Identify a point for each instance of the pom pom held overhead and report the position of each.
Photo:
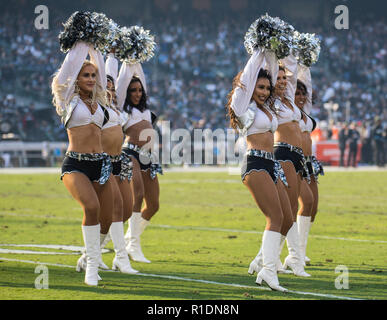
(91, 27)
(272, 34)
(134, 45)
(307, 47)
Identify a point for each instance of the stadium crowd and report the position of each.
(191, 74)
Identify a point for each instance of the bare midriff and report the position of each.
(306, 143)
(112, 139)
(85, 139)
(261, 141)
(140, 133)
(290, 133)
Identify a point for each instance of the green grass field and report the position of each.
(201, 241)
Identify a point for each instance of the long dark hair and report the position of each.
(128, 105)
(110, 78)
(237, 83)
(302, 87)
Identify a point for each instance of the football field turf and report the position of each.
(201, 242)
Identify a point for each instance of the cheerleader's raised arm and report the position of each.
(304, 75)
(96, 58)
(64, 81)
(291, 66)
(111, 66)
(241, 97)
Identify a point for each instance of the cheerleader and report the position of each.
(112, 138)
(288, 151)
(249, 108)
(79, 90)
(308, 198)
(138, 146)
(124, 175)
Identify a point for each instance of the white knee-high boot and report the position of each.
(137, 225)
(307, 260)
(303, 224)
(81, 263)
(280, 267)
(91, 238)
(256, 264)
(293, 260)
(104, 240)
(127, 234)
(121, 260)
(270, 248)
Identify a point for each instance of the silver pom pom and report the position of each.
(270, 33)
(108, 30)
(134, 45)
(307, 48)
(91, 27)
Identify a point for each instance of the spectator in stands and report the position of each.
(192, 70)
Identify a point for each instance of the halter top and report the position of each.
(285, 114)
(114, 119)
(82, 116)
(262, 122)
(135, 117)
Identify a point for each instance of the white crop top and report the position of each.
(82, 116)
(136, 116)
(114, 119)
(261, 122)
(286, 114)
(306, 127)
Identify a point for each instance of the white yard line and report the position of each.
(75, 250)
(235, 285)
(163, 226)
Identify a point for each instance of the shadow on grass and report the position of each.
(69, 285)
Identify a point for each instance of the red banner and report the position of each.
(328, 152)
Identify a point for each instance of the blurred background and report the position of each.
(200, 50)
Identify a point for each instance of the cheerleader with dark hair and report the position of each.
(308, 198)
(250, 108)
(112, 138)
(288, 151)
(139, 147)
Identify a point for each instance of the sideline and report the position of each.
(235, 285)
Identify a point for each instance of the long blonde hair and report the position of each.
(99, 93)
